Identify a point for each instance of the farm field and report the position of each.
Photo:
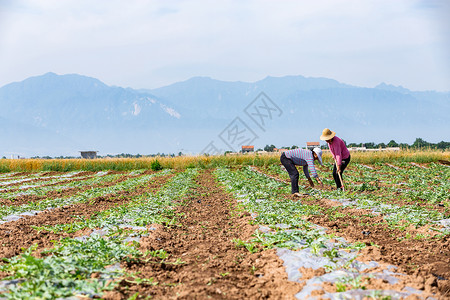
(226, 232)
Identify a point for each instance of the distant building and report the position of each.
(312, 145)
(89, 154)
(357, 149)
(281, 150)
(246, 149)
(364, 149)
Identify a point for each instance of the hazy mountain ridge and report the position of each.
(61, 114)
(310, 104)
(63, 100)
(78, 108)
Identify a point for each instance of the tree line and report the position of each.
(419, 143)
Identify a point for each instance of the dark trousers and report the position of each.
(292, 170)
(344, 164)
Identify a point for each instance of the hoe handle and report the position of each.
(342, 182)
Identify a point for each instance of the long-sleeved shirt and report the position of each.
(338, 150)
(304, 158)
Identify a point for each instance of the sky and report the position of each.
(149, 44)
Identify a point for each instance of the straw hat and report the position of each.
(318, 151)
(327, 134)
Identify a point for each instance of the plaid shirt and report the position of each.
(304, 158)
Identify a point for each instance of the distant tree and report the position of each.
(354, 145)
(403, 145)
(369, 145)
(419, 143)
(259, 149)
(294, 147)
(443, 145)
(392, 143)
(381, 145)
(269, 148)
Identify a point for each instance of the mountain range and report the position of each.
(63, 114)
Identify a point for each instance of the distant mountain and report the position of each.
(392, 88)
(81, 111)
(310, 104)
(62, 114)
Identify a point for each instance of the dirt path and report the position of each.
(213, 267)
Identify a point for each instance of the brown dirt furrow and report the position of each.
(19, 234)
(213, 267)
(20, 200)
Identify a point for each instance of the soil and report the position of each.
(427, 259)
(213, 266)
(16, 235)
(424, 257)
(204, 259)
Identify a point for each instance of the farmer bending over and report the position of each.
(301, 157)
(340, 154)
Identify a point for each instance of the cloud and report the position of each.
(151, 43)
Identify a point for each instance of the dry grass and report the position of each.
(123, 164)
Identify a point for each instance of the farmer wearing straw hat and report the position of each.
(304, 158)
(340, 154)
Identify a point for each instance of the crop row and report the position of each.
(82, 197)
(88, 266)
(283, 224)
(40, 191)
(10, 179)
(430, 185)
(398, 205)
(265, 198)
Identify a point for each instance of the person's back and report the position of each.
(338, 149)
(340, 154)
(301, 157)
